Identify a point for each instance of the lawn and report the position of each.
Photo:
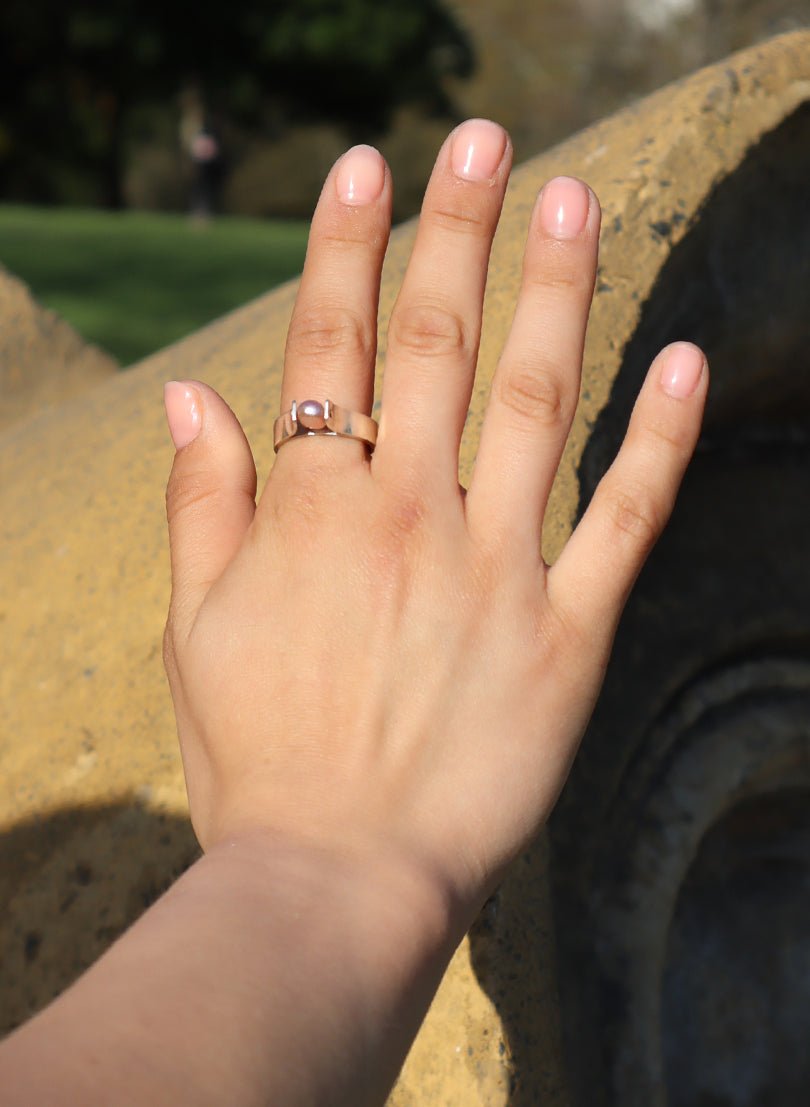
(133, 281)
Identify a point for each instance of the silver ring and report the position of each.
(312, 417)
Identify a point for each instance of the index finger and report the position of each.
(332, 339)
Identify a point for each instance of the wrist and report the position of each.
(366, 937)
(279, 971)
(379, 877)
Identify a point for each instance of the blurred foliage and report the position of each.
(95, 94)
(75, 77)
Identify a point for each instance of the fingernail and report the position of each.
(682, 370)
(183, 412)
(360, 176)
(564, 206)
(477, 149)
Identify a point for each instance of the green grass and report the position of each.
(133, 282)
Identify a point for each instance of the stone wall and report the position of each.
(43, 361)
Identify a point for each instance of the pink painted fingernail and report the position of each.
(477, 150)
(183, 412)
(682, 370)
(360, 176)
(564, 206)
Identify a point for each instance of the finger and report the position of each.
(210, 497)
(592, 578)
(332, 340)
(536, 384)
(435, 327)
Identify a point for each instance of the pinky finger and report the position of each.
(592, 578)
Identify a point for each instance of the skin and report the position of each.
(366, 657)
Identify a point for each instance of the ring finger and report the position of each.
(536, 384)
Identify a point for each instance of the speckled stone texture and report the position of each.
(705, 236)
(43, 361)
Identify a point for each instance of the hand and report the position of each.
(368, 660)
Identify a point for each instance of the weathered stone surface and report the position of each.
(92, 808)
(43, 361)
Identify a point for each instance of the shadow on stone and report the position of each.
(736, 992)
(71, 882)
(702, 735)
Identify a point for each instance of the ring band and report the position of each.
(311, 417)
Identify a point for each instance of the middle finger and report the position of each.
(435, 326)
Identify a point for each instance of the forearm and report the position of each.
(267, 974)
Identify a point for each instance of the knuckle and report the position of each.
(307, 503)
(491, 567)
(323, 331)
(188, 491)
(407, 511)
(304, 500)
(566, 281)
(673, 438)
(169, 648)
(563, 279)
(563, 269)
(564, 634)
(535, 394)
(635, 513)
(172, 646)
(554, 644)
(400, 531)
(464, 220)
(298, 509)
(348, 237)
(428, 330)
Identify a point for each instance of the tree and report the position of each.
(71, 75)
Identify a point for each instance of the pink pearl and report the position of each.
(311, 415)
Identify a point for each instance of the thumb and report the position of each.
(210, 497)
